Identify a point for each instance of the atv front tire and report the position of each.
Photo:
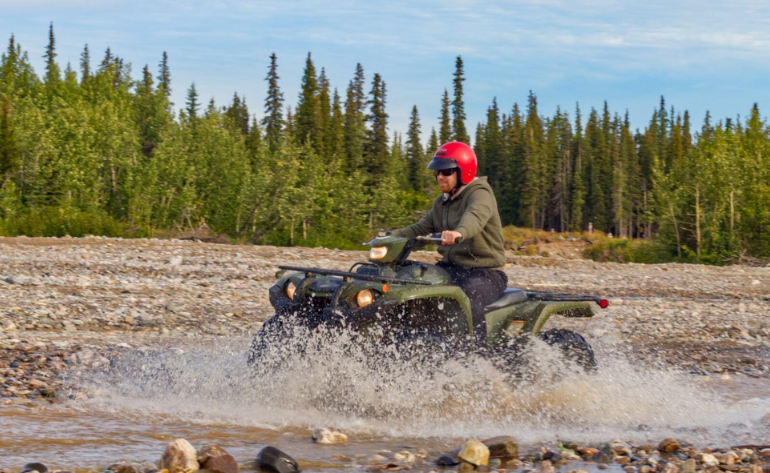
(572, 345)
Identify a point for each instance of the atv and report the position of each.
(393, 300)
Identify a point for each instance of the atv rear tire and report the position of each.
(572, 345)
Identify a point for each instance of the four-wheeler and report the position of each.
(393, 300)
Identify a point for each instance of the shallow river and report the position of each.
(131, 410)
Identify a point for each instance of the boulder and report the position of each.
(329, 436)
(502, 447)
(30, 467)
(216, 459)
(273, 459)
(179, 457)
(474, 452)
(669, 445)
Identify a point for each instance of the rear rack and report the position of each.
(349, 275)
(549, 296)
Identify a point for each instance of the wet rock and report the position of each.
(179, 457)
(708, 460)
(273, 459)
(474, 452)
(622, 460)
(544, 466)
(602, 458)
(514, 464)
(216, 459)
(669, 445)
(727, 458)
(629, 469)
(405, 457)
(376, 459)
(495, 463)
(588, 451)
(502, 447)
(617, 447)
(445, 460)
(552, 457)
(764, 453)
(329, 436)
(30, 467)
(124, 468)
(670, 468)
(689, 466)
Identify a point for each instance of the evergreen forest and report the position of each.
(100, 151)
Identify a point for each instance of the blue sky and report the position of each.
(698, 54)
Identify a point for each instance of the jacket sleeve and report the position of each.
(423, 227)
(477, 214)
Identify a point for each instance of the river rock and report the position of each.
(670, 468)
(446, 460)
(216, 459)
(689, 466)
(544, 466)
(180, 457)
(764, 453)
(617, 447)
(30, 467)
(273, 459)
(124, 468)
(669, 445)
(708, 460)
(474, 452)
(329, 436)
(405, 457)
(502, 447)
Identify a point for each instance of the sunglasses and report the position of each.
(446, 172)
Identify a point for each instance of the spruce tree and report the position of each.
(238, 114)
(191, 104)
(306, 116)
(376, 145)
(9, 149)
(445, 122)
(85, 65)
(355, 118)
(52, 72)
(459, 132)
(415, 155)
(164, 76)
(273, 120)
(324, 115)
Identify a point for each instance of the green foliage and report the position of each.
(108, 155)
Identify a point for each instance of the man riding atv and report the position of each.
(467, 217)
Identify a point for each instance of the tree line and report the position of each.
(97, 151)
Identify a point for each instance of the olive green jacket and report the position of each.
(472, 211)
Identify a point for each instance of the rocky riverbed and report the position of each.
(72, 304)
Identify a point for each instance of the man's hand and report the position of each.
(450, 237)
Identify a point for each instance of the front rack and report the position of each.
(349, 275)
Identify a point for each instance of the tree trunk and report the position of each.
(291, 232)
(676, 230)
(697, 221)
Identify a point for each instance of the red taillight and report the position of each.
(604, 303)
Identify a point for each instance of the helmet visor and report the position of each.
(438, 164)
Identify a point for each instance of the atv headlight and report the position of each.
(378, 252)
(290, 288)
(364, 298)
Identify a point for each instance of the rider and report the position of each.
(466, 215)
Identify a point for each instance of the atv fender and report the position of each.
(528, 318)
(456, 314)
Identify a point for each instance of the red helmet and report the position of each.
(456, 155)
